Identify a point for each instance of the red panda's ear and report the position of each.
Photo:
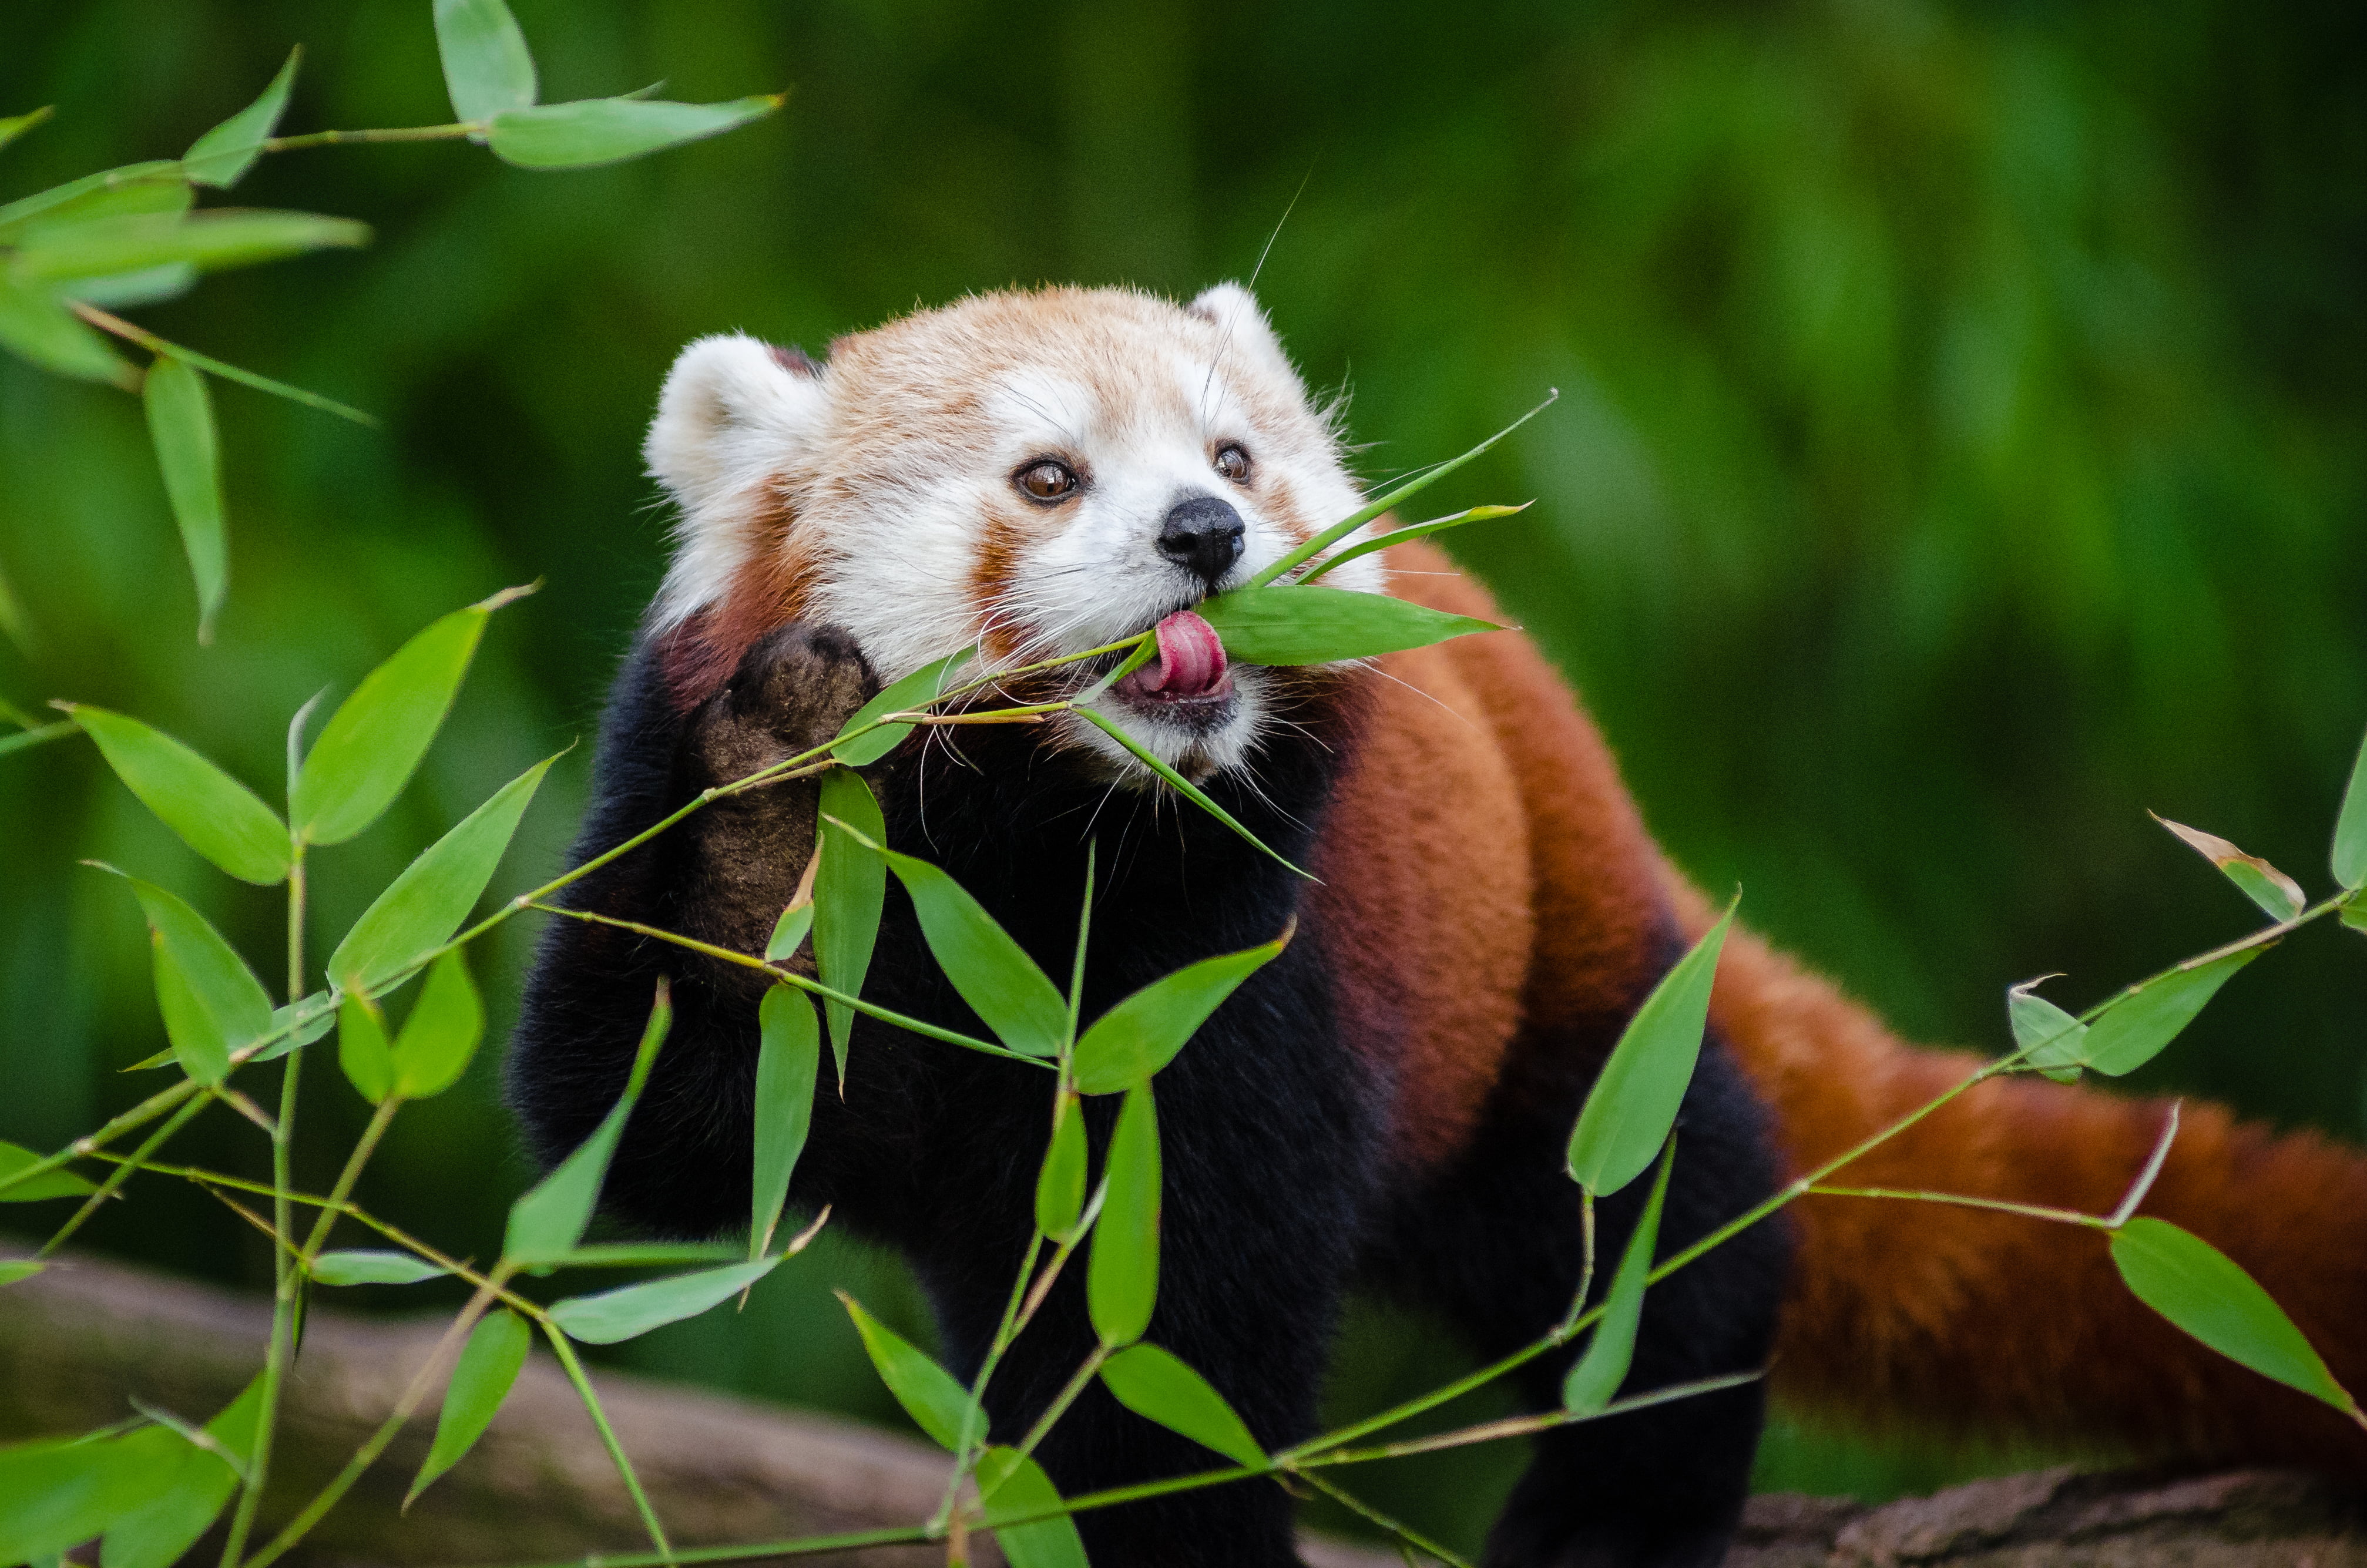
(1242, 327)
(736, 419)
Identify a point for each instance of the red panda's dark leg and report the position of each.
(1495, 1241)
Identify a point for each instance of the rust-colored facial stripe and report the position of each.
(993, 572)
(769, 592)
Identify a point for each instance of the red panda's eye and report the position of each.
(1046, 479)
(1233, 463)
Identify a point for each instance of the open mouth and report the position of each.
(1190, 680)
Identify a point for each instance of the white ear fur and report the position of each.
(731, 419)
(1242, 325)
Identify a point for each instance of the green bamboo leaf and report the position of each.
(790, 931)
(993, 974)
(1157, 1384)
(1396, 537)
(482, 1379)
(850, 890)
(2136, 1024)
(362, 1050)
(1122, 1274)
(223, 155)
(141, 286)
(373, 1268)
(56, 1494)
(442, 1033)
(1060, 1183)
(306, 1021)
(37, 328)
(1020, 1488)
(211, 1002)
(19, 1268)
(2051, 1040)
(2278, 895)
(631, 1311)
(371, 744)
(1402, 492)
(2354, 913)
(549, 1219)
(593, 132)
(188, 1495)
(914, 692)
(157, 186)
(1594, 1378)
(210, 241)
(1182, 785)
(2351, 827)
(2204, 1292)
(49, 1184)
(1634, 1103)
(1142, 1033)
(421, 909)
(215, 814)
(181, 426)
(16, 125)
(1320, 626)
(788, 1061)
(930, 1394)
(487, 68)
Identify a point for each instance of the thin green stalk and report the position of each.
(576, 1375)
(133, 332)
(1997, 1204)
(346, 1179)
(1526, 1426)
(138, 1116)
(972, 1425)
(1586, 1259)
(121, 1174)
(1065, 1398)
(287, 1277)
(789, 977)
(1405, 1533)
(452, 132)
(367, 1455)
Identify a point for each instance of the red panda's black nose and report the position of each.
(1203, 533)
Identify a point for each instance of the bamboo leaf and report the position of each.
(2278, 895)
(1633, 1104)
(914, 692)
(442, 1033)
(1396, 537)
(371, 746)
(1122, 1274)
(995, 976)
(631, 1311)
(2051, 1040)
(1159, 1385)
(931, 1396)
(188, 1493)
(549, 1219)
(373, 1268)
(1595, 1377)
(1019, 1487)
(1182, 785)
(2207, 1294)
(16, 125)
(487, 68)
(210, 241)
(788, 1062)
(223, 155)
(188, 454)
(37, 328)
(1320, 626)
(2139, 1022)
(421, 908)
(482, 1379)
(214, 815)
(593, 132)
(49, 1184)
(211, 1002)
(157, 186)
(850, 890)
(363, 1052)
(1143, 1032)
(1061, 1181)
(56, 1494)
(2351, 827)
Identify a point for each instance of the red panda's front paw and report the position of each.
(793, 691)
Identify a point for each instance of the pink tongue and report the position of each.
(1191, 659)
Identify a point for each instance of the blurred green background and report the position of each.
(1961, 452)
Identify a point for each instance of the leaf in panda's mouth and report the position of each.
(1191, 666)
(1306, 625)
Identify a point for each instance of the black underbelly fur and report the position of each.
(1277, 1189)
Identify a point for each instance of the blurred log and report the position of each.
(79, 1341)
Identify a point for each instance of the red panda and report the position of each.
(1046, 473)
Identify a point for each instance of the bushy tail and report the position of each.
(1955, 1319)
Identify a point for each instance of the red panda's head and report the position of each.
(1039, 473)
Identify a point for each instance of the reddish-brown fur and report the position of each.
(1501, 888)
